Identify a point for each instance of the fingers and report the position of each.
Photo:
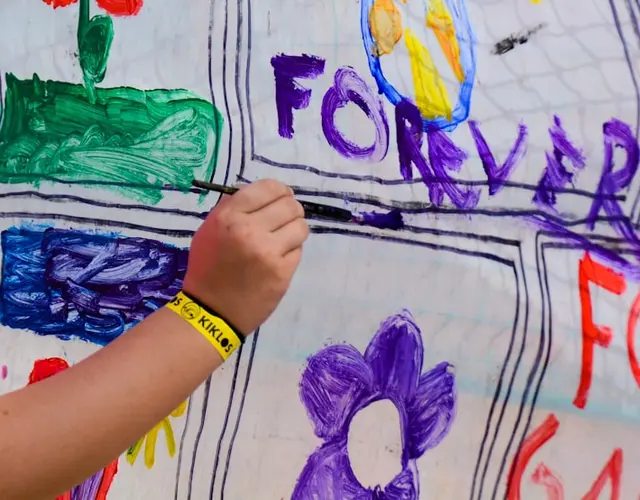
(291, 236)
(259, 194)
(279, 213)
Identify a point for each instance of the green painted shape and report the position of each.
(95, 36)
(138, 139)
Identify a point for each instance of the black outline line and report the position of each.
(196, 443)
(256, 335)
(181, 448)
(224, 88)
(225, 421)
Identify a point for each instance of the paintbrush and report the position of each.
(390, 220)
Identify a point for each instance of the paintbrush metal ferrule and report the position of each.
(210, 186)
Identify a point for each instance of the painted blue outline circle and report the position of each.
(467, 61)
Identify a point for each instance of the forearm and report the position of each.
(56, 433)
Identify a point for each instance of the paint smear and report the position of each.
(385, 23)
(4, 372)
(440, 21)
(430, 92)
(74, 284)
(389, 220)
(150, 439)
(137, 140)
(512, 41)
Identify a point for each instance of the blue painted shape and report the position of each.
(75, 284)
(466, 39)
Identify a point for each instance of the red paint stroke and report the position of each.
(113, 7)
(634, 314)
(593, 272)
(59, 3)
(544, 477)
(121, 7)
(66, 496)
(45, 368)
(533, 442)
(5, 371)
(613, 470)
(107, 478)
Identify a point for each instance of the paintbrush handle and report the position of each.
(310, 208)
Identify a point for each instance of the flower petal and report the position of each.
(333, 385)
(121, 7)
(59, 3)
(432, 410)
(328, 476)
(395, 356)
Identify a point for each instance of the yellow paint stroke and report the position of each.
(150, 439)
(430, 92)
(440, 21)
(385, 23)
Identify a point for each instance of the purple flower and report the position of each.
(339, 382)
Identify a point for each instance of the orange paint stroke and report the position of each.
(590, 271)
(533, 442)
(634, 314)
(612, 470)
(440, 21)
(385, 23)
(543, 476)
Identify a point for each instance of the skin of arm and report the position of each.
(97, 417)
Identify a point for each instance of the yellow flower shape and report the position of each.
(152, 436)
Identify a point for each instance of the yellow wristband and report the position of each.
(216, 330)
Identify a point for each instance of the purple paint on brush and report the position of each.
(388, 220)
(349, 87)
(339, 382)
(290, 94)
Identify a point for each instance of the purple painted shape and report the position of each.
(616, 134)
(290, 94)
(497, 175)
(338, 382)
(444, 156)
(89, 489)
(349, 87)
(409, 140)
(556, 175)
(389, 220)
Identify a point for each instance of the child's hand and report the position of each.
(244, 255)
